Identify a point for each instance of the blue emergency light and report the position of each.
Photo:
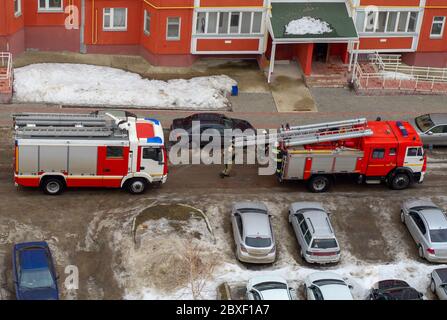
(402, 129)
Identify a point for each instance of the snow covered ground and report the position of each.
(396, 75)
(79, 84)
(307, 25)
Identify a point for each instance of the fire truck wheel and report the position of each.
(137, 186)
(53, 186)
(400, 181)
(318, 184)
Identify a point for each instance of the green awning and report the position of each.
(334, 14)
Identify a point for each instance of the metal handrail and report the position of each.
(6, 60)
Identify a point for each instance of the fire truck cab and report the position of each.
(56, 151)
(372, 151)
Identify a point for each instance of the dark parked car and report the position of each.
(394, 290)
(34, 274)
(216, 121)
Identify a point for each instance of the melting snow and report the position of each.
(307, 25)
(396, 75)
(79, 84)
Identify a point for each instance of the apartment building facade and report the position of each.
(176, 32)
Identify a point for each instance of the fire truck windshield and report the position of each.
(424, 122)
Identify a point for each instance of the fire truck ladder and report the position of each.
(313, 133)
(59, 119)
(65, 131)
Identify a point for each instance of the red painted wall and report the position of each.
(94, 32)
(389, 3)
(220, 45)
(426, 44)
(229, 3)
(391, 43)
(304, 54)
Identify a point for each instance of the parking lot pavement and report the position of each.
(92, 229)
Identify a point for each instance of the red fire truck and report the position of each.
(55, 151)
(371, 151)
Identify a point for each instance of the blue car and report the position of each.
(34, 274)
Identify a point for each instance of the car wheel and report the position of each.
(421, 252)
(433, 286)
(400, 181)
(319, 184)
(137, 186)
(53, 186)
(402, 216)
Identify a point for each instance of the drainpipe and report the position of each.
(83, 48)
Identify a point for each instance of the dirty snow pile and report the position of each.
(307, 25)
(79, 84)
(396, 75)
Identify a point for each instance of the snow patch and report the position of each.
(308, 25)
(79, 84)
(396, 75)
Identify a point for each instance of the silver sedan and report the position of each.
(438, 283)
(427, 224)
(432, 128)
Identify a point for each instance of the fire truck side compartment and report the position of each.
(53, 158)
(82, 160)
(28, 160)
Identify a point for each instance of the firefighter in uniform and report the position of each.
(229, 156)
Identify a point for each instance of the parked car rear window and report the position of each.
(36, 278)
(324, 243)
(424, 122)
(258, 242)
(439, 235)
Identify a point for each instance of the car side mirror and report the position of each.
(350, 287)
(429, 133)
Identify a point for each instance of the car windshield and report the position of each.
(439, 235)
(258, 242)
(325, 282)
(324, 244)
(424, 122)
(270, 286)
(36, 278)
(401, 294)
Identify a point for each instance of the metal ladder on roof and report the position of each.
(313, 133)
(60, 119)
(64, 132)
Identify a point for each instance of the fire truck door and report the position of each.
(414, 158)
(113, 164)
(152, 161)
(381, 161)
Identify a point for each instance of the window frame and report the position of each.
(228, 31)
(395, 31)
(178, 37)
(121, 157)
(112, 28)
(381, 151)
(147, 25)
(18, 12)
(47, 7)
(441, 35)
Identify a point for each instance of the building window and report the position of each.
(147, 22)
(437, 27)
(17, 8)
(386, 21)
(115, 19)
(173, 29)
(226, 22)
(50, 5)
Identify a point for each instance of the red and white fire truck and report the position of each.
(371, 151)
(55, 151)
